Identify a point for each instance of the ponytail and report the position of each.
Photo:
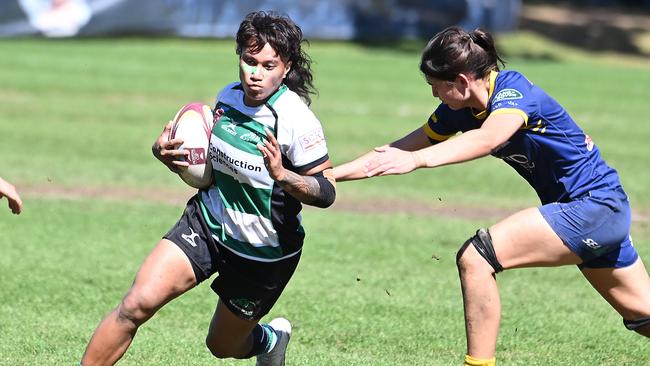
(454, 51)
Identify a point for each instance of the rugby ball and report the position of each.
(193, 123)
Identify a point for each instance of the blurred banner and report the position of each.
(319, 19)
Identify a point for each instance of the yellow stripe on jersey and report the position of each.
(433, 134)
(480, 115)
(493, 80)
(538, 127)
(512, 111)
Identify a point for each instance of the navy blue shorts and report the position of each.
(595, 227)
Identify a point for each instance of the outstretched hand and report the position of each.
(8, 190)
(167, 152)
(391, 161)
(270, 149)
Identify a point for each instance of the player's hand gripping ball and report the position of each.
(193, 123)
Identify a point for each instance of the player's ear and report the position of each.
(287, 68)
(463, 80)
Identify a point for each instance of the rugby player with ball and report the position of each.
(266, 157)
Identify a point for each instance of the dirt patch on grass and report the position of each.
(418, 208)
(121, 194)
(178, 197)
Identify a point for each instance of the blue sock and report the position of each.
(264, 339)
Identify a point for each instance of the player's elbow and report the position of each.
(326, 193)
(324, 202)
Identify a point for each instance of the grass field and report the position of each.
(377, 284)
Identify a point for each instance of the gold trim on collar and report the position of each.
(493, 77)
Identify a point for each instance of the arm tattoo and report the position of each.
(304, 188)
(316, 190)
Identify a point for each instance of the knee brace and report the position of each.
(636, 324)
(482, 241)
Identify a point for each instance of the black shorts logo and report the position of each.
(190, 238)
(248, 308)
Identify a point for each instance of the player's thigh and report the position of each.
(165, 274)
(525, 239)
(627, 289)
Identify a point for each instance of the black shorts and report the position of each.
(248, 288)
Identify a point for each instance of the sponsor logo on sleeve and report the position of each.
(312, 139)
(507, 94)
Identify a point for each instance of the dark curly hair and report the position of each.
(259, 28)
(454, 51)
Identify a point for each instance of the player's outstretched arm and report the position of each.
(8, 190)
(357, 168)
(470, 145)
(354, 169)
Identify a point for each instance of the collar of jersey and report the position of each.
(493, 77)
(277, 94)
(271, 99)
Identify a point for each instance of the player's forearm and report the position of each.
(414, 141)
(354, 169)
(317, 191)
(468, 146)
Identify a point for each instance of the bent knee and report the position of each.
(470, 262)
(136, 309)
(477, 255)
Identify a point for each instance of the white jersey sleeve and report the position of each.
(300, 133)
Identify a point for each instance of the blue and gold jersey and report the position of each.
(550, 151)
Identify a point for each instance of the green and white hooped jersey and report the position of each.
(246, 211)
